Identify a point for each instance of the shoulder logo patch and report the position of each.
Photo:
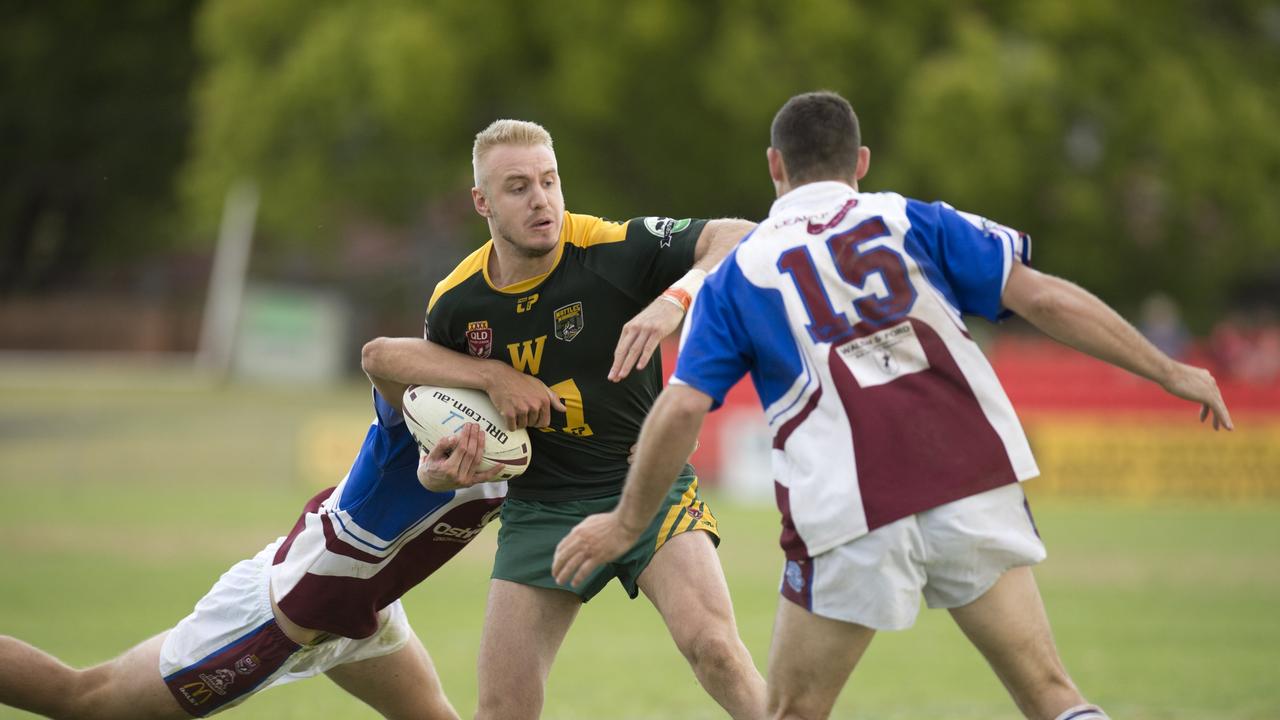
(664, 227)
(480, 339)
(569, 321)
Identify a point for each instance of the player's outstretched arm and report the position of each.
(451, 464)
(641, 335)
(667, 438)
(393, 364)
(1073, 316)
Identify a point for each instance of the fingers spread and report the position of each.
(622, 352)
(635, 348)
(650, 344)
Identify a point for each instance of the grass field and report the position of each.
(125, 497)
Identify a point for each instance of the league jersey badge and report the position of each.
(664, 227)
(480, 339)
(569, 321)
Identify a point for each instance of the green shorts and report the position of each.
(531, 530)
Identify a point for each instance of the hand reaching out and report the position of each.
(1197, 385)
(641, 335)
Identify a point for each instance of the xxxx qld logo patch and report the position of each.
(480, 339)
(664, 227)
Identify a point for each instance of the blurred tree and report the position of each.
(93, 126)
(1136, 143)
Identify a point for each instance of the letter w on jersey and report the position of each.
(527, 354)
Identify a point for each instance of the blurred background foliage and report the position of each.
(1139, 143)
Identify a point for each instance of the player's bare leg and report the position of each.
(685, 582)
(403, 684)
(126, 688)
(523, 629)
(810, 660)
(1009, 626)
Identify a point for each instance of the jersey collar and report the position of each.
(536, 280)
(822, 192)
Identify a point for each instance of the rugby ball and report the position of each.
(434, 412)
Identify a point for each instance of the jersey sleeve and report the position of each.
(715, 348)
(653, 252)
(388, 416)
(435, 328)
(967, 257)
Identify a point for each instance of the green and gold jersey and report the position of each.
(562, 327)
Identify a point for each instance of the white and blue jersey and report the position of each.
(361, 545)
(845, 308)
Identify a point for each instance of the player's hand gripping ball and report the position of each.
(434, 412)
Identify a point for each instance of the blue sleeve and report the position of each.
(966, 257)
(388, 416)
(715, 350)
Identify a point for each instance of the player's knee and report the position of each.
(715, 651)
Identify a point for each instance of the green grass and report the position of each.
(125, 497)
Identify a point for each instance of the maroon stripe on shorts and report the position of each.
(233, 671)
(312, 506)
(792, 544)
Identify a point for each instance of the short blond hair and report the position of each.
(506, 132)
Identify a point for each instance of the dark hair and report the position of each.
(817, 134)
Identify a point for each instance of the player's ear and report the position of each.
(864, 163)
(775, 164)
(480, 201)
(777, 170)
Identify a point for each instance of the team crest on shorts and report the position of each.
(480, 339)
(219, 680)
(795, 576)
(247, 664)
(569, 321)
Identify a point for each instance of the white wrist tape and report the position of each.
(691, 282)
(682, 291)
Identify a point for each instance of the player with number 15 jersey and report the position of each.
(859, 319)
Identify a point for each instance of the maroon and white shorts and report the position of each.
(951, 554)
(230, 647)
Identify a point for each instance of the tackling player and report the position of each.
(323, 599)
(897, 455)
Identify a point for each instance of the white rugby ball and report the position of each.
(434, 412)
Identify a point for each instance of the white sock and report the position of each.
(1083, 712)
